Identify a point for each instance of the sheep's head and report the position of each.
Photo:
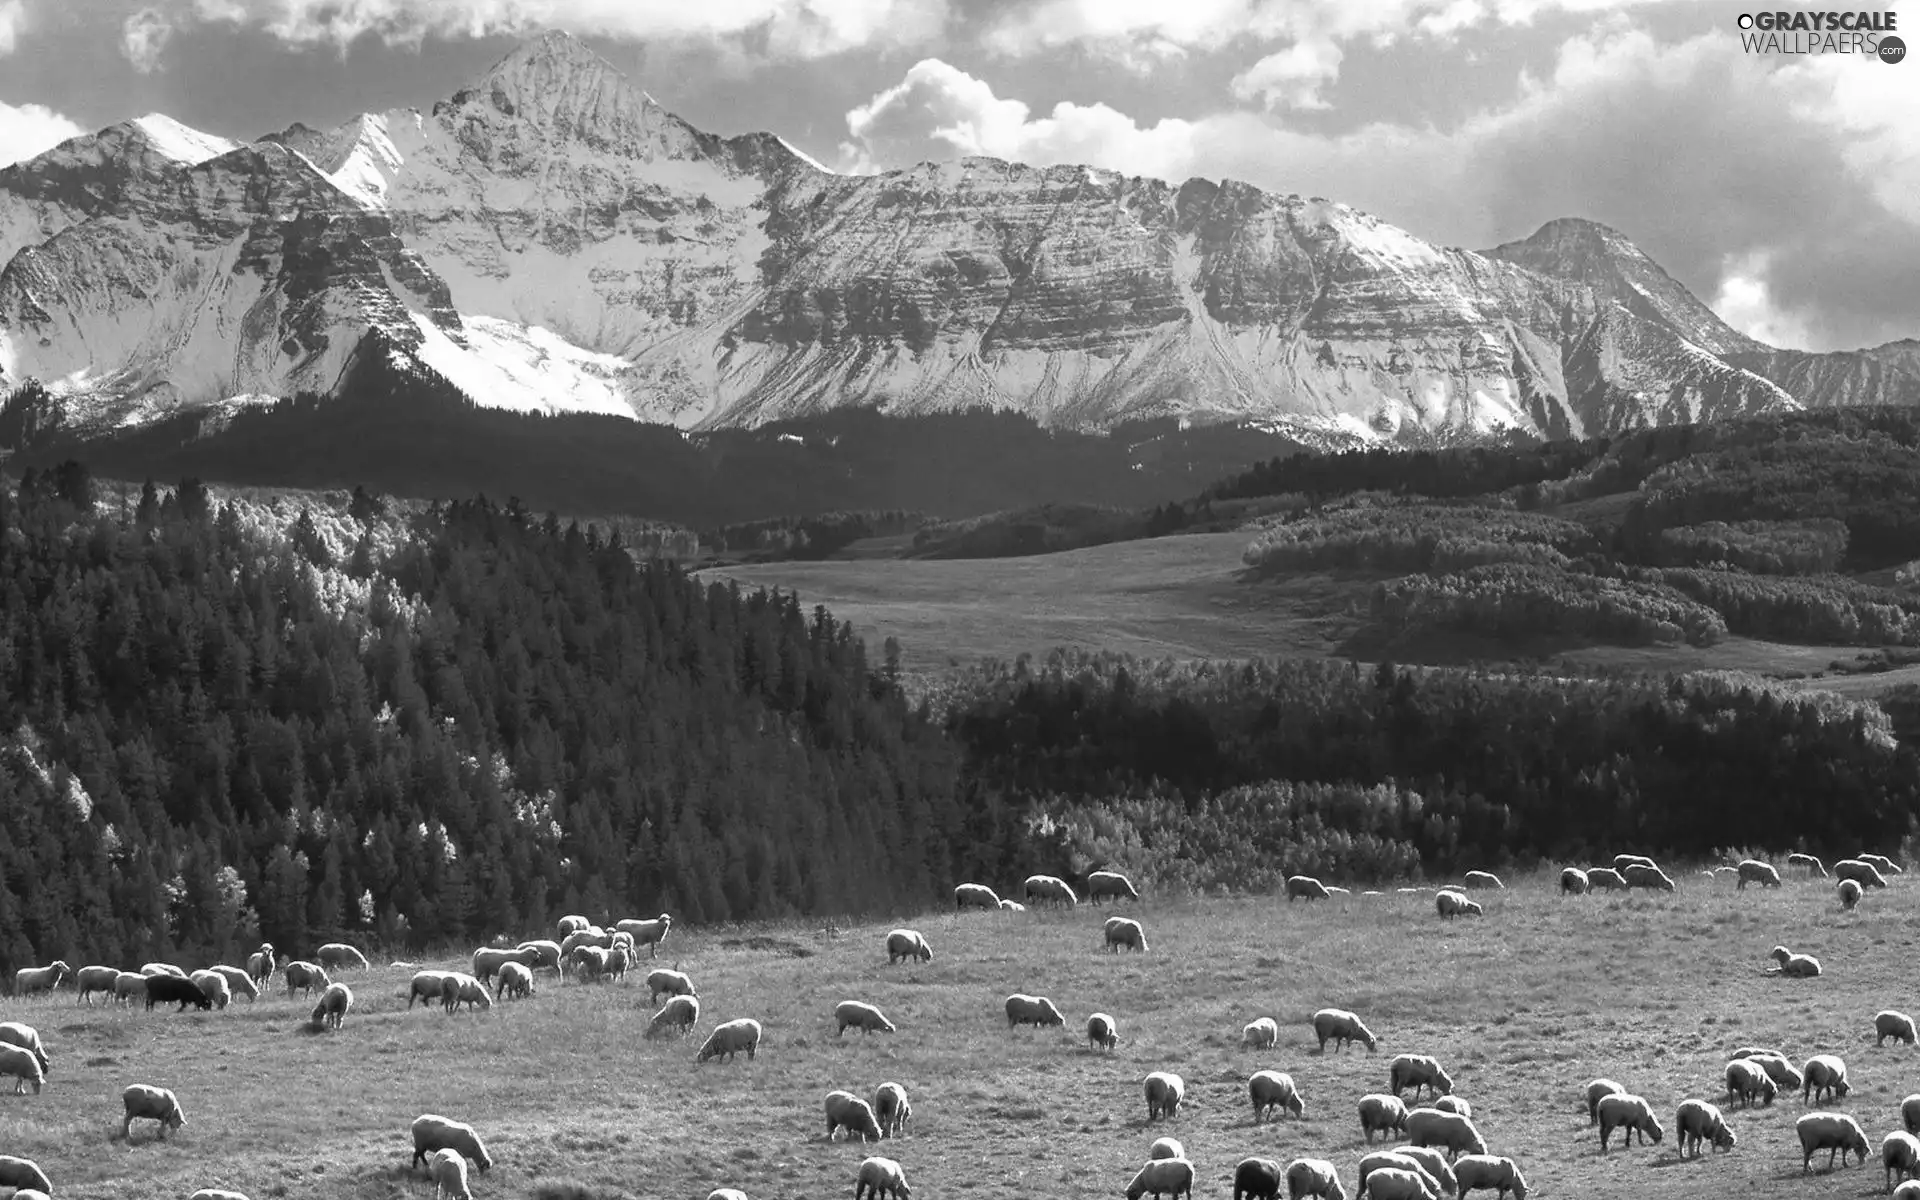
(1780, 954)
(1724, 1138)
(1841, 1088)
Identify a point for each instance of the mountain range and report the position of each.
(551, 240)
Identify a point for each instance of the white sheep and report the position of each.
(94, 979)
(1257, 1179)
(1836, 1133)
(23, 1173)
(26, 1037)
(1882, 864)
(678, 1015)
(1165, 1090)
(1050, 888)
(1103, 1031)
(1452, 1104)
(1910, 1113)
(1449, 903)
(1890, 1024)
(649, 933)
(208, 1194)
(1778, 1069)
(1435, 1163)
(1574, 882)
(1752, 870)
(546, 955)
(1622, 861)
(432, 1132)
(1341, 1028)
(1478, 1172)
(849, 1112)
(461, 988)
(1595, 1090)
(1262, 1033)
(239, 983)
(1274, 1089)
(1162, 1177)
(488, 960)
(1396, 1183)
(1483, 881)
(448, 1169)
(1380, 1113)
(726, 1194)
(1645, 875)
(1863, 873)
(1431, 1127)
(1793, 966)
(1418, 1071)
(1900, 1154)
(23, 1067)
(1813, 865)
(662, 982)
(1012, 906)
(729, 1038)
(1123, 932)
(335, 1003)
(1625, 1111)
(908, 943)
(1023, 1009)
(598, 939)
(1608, 878)
(1747, 1079)
(147, 1103)
(1382, 1159)
(513, 980)
(339, 956)
(591, 963)
(975, 895)
(1109, 883)
(1826, 1076)
(891, 1109)
(213, 986)
(305, 977)
(1696, 1122)
(261, 964)
(1305, 887)
(1166, 1147)
(879, 1177)
(864, 1017)
(1314, 1177)
(129, 986)
(29, 980)
(1849, 894)
(428, 986)
(571, 923)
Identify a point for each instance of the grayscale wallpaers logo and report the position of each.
(1801, 32)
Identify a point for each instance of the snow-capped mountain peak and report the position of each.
(182, 143)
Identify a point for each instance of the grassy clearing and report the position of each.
(1524, 1007)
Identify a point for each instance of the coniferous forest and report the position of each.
(226, 719)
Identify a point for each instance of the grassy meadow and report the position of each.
(1523, 1007)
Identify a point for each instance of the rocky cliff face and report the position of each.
(550, 237)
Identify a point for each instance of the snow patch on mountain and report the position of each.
(182, 143)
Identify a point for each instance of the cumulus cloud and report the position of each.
(28, 129)
(789, 28)
(143, 37)
(1789, 196)
(13, 18)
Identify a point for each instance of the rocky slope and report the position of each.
(550, 238)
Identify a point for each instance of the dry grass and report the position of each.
(1524, 1007)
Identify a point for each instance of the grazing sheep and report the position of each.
(1124, 931)
(159, 968)
(29, 980)
(168, 989)
(1313, 1177)
(1696, 1122)
(864, 1017)
(1752, 870)
(1891, 1024)
(647, 933)
(427, 985)
(1622, 861)
(1162, 1177)
(1262, 1033)
(1380, 1160)
(239, 983)
(1164, 1090)
(1012, 906)
(1051, 888)
(1305, 887)
(590, 963)
(1418, 1071)
(448, 1170)
(1836, 1133)
(1900, 1153)
(907, 943)
(1882, 864)
(1430, 1127)
(147, 1103)
(1166, 1147)
(1783, 1073)
(261, 964)
(879, 1177)
(305, 977)
(1023, 1009)
(1449, 903)
(1574, 882)
(1910, 1113)
(726, 1194)
(1109, 883)
(26, 1037)
(546, 955)
(1646, 875)
(1825, 1075)
(335, 1003)
(1257, 1179)
(1746, 1079)
(729, 1038)
(571, 923)
(1435, 1163)
(1595, 1091)
(434, 1132)
(1274, 1089)
(1849, 894)
(213, 986)
(339, 955)
(488, 960)
(1476, 1172)
(662, 982)
(1380, 1113)
(129, 986)
(204, 1194)
(1103, 1031)
(23, 1173)
(891, 1109)
(677, 1016)
(513, 980)
(975, 895)
(1608, 878)
(21, 1064)
(598, 939)
(1342, 1028)
(95, 979)
(1794, 966)
(1813, 865)
(1628, 1112)
(1484, 881)
(849, 1112)
(1395, 1183)
(461, 988)
(1756, 1052)
(1863, 873)
(1452, 1104)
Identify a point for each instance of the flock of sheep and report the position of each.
(1443, 1153)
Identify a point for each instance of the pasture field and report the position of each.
(1523, 1007)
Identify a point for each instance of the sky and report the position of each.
(1782, 189)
